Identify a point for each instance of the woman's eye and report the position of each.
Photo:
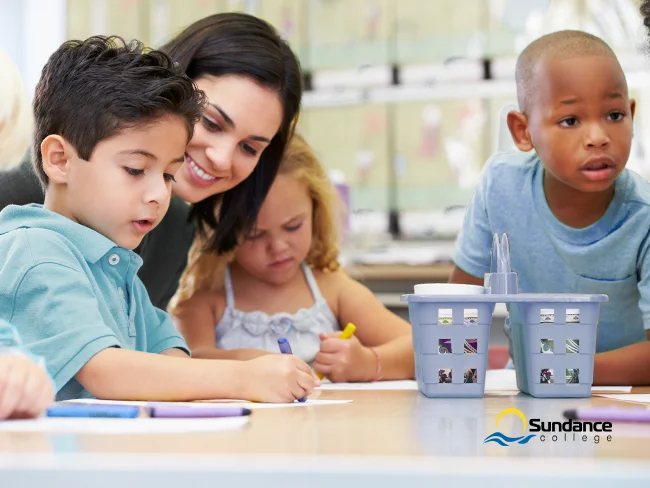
(212, 126)
(249, 149)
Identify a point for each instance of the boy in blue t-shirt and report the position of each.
(112, 123)
(577, 220)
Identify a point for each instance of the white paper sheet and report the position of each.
(123, 426)
(500, 380)
(611, 389)
(506, 379)
(377, 385)
(635, 397)
(230, 403)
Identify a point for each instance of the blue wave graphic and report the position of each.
(526, 439)
(504, 441)
(497, 440)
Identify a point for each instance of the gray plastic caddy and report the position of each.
(553, 336)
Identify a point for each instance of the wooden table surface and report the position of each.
(382, 437)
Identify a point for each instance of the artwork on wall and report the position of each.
(463, 149)
(430, 132)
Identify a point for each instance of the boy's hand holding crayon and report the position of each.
(278, 378)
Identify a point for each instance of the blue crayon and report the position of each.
(285, 348)
(90, 410)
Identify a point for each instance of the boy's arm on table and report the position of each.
(196, 318)
(630, 365)
(241, 354)
(121, 374)
(63, 324)
(627, 366)
(376, 327)
(460, 277)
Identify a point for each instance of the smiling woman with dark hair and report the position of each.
(252, 81)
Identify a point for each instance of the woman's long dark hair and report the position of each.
(645, 14)
(240, 44)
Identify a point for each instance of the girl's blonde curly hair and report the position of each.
(205, 270)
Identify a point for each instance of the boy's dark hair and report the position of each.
(91, 90)
(553, 47)
(241, 45)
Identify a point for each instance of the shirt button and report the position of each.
(113, 259)
(121, 291)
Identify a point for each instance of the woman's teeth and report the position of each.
(202, 174)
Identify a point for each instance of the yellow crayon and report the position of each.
(346, 334)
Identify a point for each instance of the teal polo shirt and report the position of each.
(11, 344)
(9, 338)
(71, 293)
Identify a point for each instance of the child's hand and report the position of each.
(278, 378)
(344, 360)
(25, 388)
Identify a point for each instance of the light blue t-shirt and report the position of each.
(610, 256)
(72, 293)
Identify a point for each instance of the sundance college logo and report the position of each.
(568, 431)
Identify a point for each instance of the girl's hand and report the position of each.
(345, 360)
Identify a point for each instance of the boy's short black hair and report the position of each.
(553, 47)
(91, 90)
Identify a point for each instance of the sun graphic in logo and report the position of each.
(504, 440)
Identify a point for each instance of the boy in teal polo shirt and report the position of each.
(112, 123)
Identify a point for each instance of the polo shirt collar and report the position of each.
(91, 244)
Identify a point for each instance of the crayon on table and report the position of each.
(609, 414)
(93, 411)
(154, 410)
(189, 412)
